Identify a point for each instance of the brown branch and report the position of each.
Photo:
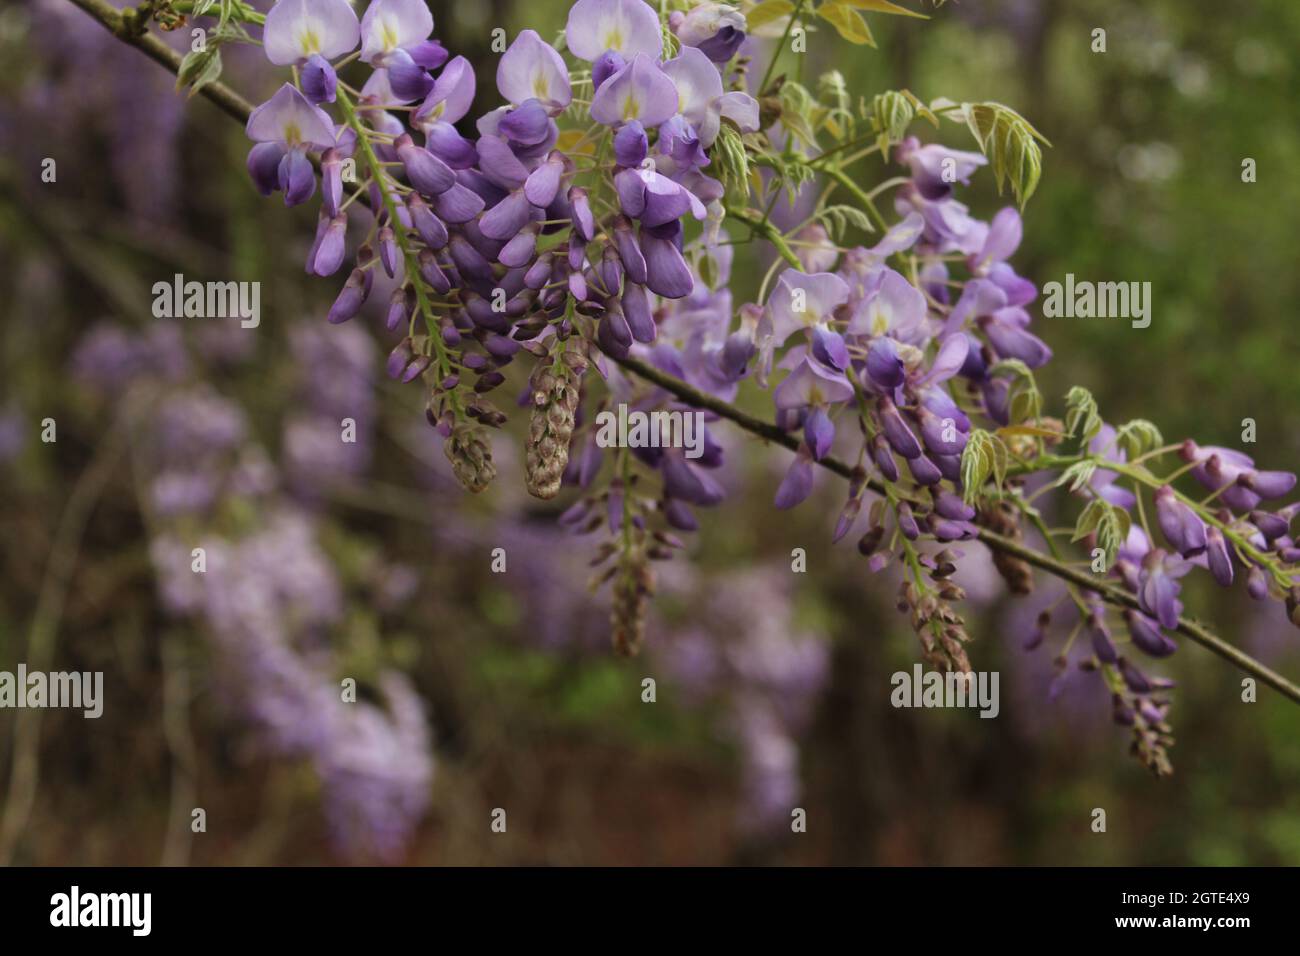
(1106, 591)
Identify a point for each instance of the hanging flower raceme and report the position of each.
(585, 223)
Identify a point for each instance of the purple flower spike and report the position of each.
(884, 366)
(629, 252)
(1102, 644)
(469, 261)
(952, 507)
(531, 69)
(398, 312)
(290, 122)
(931, 163)
(611, 273)
(640, 91)
(519, 251)
(801, 301)
(432, 273)
(907, 522)
(329, 253)
(539, 273)
(1257, 584)
(1218, 556)
(1137, 682)
(526, 125)
(1147, 636)
(1010, 339)
(811, 384)
(828, 348)
(718, 29)
(331, 179)
(350, 299)
(630, 144)
(319, 81)
(399, 358)
(430, 228)
(628, 27)
(409, 80)
(636, 309)
(543, 183)
(426, 172)
(925, 471)
(797, 483)
(684, 481)
(613, 334)
(392, 25)
(264, 166)
(298, 30)
(667, 273)
(605, 66)
(1181, 526)
(504, 220)
(896, 432)
(451, 96)
(1268, 484)
(584, 223)
(884, 458)
(458, 204)
(1158, 591)
(818, 433)
(389, 254)
(1272, 526)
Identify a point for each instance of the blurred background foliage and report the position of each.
(772, 687)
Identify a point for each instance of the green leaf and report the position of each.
(884, 6)
(891, 114)
(984, 456)
(1081, 411)
(797, 105)
(733, 163)
(1109, 522)
(847, 22)
(769, 11)
(1025, 401)
(1138, 437)
(838, 218)
(199, 68)
(1010, 143)
(1078, 475)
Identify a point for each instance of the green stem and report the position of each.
(768, 232)
(409, 256)
(780, 46)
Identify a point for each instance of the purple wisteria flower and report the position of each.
(286, 127)
(716, 29)
(309, 34)
(626, 27)
(640, 92)
(531, 69)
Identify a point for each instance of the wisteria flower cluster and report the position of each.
(268, 595)
(588, 224)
